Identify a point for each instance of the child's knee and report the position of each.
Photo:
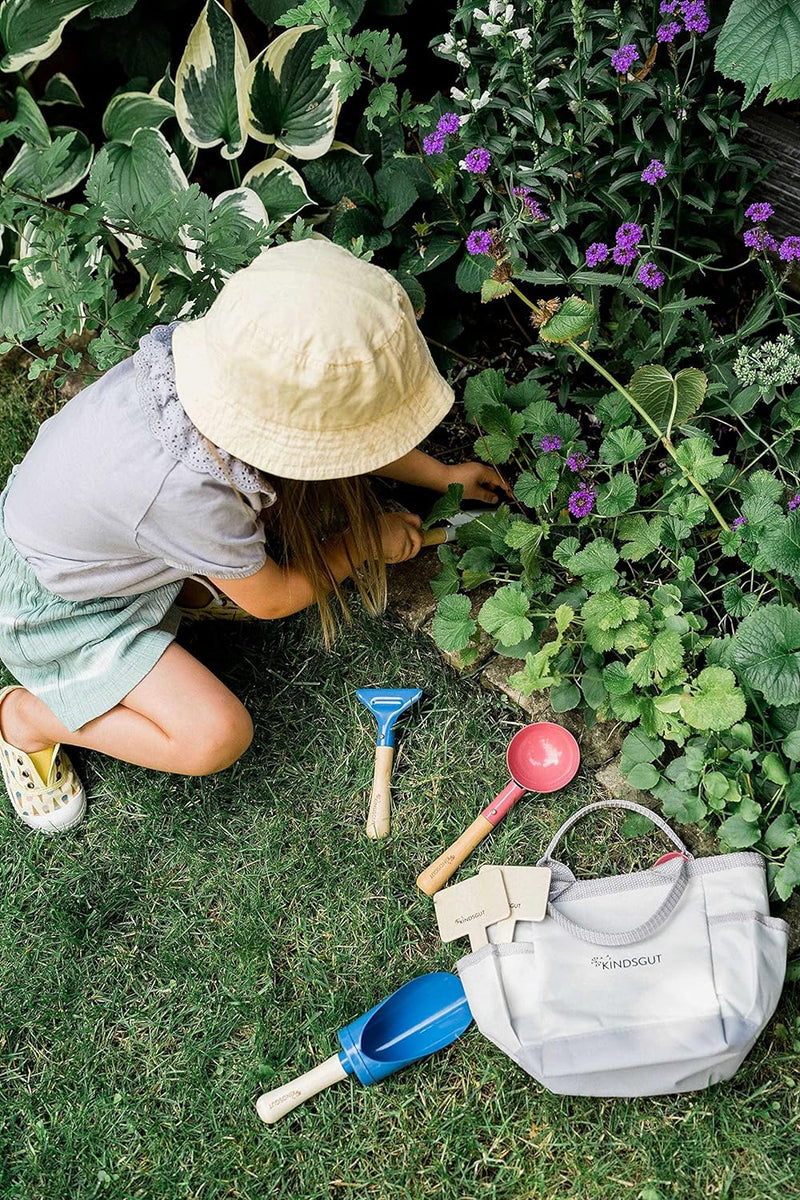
(221, 740)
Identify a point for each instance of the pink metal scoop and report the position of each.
(542, 757)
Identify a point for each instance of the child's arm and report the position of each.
(277, 590)
(479, 481)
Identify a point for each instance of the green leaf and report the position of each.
(784, 89)
(639, 748)
(60, 90)
(492, 289)
(126, 178)
(279, 187)
(522, 534)
(738, 603)
(395, 190)
(780, 547)
(663, 656)
(668, 400)
(715, 701)
(129, 111)
(762, 483)
(292, 103)
(69, 158)
(616, 679)
(643, 776)
(565, 696)
(696, 456)
(534, 492)
(595, 564)
(738, 833)
(446, 582)
(446, 506)
(622, 446)
(774, 769)
(616, 496)
(452, 626)
(573, 320)
(715, 785)
(764, 653)
(505, 615)
(18, 301)
(782, 832)
(609, 610)
(641, 537)
(682, 807)
(210, 90)
(495, 447)
(788, 877)
(487, 388)
(759, 44)
(30, 30)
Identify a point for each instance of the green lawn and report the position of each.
(199, 940)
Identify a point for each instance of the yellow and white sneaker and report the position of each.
(44, 790)
(218, 607)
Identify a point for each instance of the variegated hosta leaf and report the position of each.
(129, 111)
(23, 171)
(210, 94)
(292, 103)
(185, 151)
(28, 121)
(45, 272)
(60, 90)
(126, 178)
(30, 30)
(17, 302)
(280, 188)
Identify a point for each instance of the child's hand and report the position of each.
(401, 536)
(480, 482)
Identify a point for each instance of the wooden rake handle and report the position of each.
(436, 875)
(379, 817)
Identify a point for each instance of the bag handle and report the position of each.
(597, 937)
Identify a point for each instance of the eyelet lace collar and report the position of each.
(167, 419)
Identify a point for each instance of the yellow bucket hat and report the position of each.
(309, 365)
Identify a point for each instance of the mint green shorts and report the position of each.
(81, 657)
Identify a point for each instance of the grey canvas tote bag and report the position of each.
(654, 982)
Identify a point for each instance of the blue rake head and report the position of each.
(386, 705)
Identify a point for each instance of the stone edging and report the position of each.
(411, 599)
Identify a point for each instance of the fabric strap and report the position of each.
(597, 937)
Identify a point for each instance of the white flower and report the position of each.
(523, 36)
(542, 84)
(481, 101)
(447, 44)
(462, 60)
(480, 15)
(490, 29)
(457, 95)
(495, 8)
(509, 13)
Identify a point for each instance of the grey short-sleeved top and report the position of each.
(119, 494)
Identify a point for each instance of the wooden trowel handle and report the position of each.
(379, 818)
(437, 874)
(435, 537)
(277, 1103)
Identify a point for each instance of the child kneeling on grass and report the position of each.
(307, 373)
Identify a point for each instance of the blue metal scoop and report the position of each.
(386, 705)
(424, 1015)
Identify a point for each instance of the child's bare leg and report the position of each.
(180, 718)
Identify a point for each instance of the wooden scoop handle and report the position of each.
(437, 874)
(379, 818)
(277, 1103)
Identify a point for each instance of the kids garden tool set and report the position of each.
(424, 1015)
(386, 705)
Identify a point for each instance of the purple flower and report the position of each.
(695, 17)
(771, 243)
(433, 143)
(790, 248)
(479, 242)
(650, 276)
(624, 58)
(757, 238)
(581, 502)
(668, 32)
(550, 441)
(794, 502)
(477, 161)
(759, 212)
(448, 123)
(533, 206)
(578, 462)
(654, 171)
(629, 235)
(668, 6)
(624, 255)
(738, 521)
(596, 253)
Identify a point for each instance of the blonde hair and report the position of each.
(305, 514)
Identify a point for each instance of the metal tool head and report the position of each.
(386, 705)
